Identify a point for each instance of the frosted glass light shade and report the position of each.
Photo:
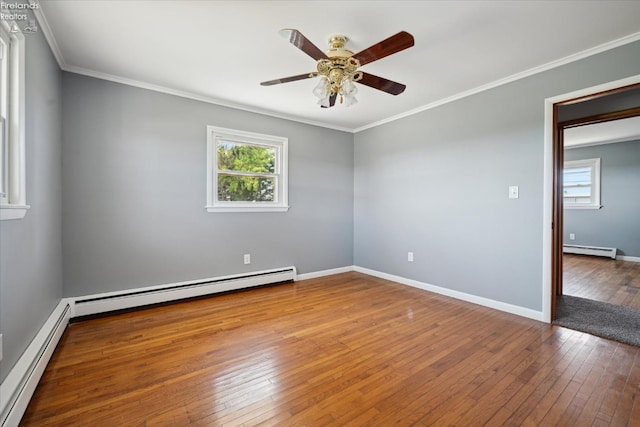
(322, 89)
(348, 88)
(325, 101)
(350, 100)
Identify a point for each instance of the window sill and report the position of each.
(247, 208)
(13, 211)
(583, 207)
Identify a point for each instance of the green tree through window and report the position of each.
(246, 173)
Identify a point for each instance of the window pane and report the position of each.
(235, 188)
(577, 191)
(577, 185)
(581, 183)
(238, 157)
(577, 176)
(4, 106)
(577, 200)
(3, 161)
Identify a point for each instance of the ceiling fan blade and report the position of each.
(332, 101)
(386, 47)
(382, 84)
(296, 38)
(289, 79)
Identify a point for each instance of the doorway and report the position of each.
(579, 109)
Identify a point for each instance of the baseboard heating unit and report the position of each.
(112, 301)
(590, 250)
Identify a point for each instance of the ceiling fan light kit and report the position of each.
(338, 67)
(337, 73)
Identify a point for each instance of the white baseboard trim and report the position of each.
(486, 302)
(322, 273)
(18, 387)
(627, 258)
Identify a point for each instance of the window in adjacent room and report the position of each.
(582, 184)
(246, 172)
(12, 142)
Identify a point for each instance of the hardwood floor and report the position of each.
(602, 279)
(347, 349)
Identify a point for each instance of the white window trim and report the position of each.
(594, 164)
(15, 205)
(213, 205)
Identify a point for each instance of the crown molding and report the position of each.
(524, 74)
(46, 29)
(48, 35)
(64, 66)
(195, 96)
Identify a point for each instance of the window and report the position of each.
(582, 184)
(12, 126)
(246, 172)
(5, 42)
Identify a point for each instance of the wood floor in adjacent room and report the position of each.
(347, 349)
(602, 279)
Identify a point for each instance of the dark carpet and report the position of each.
(599, 318)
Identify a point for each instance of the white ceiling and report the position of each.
(221, 50)
(603, 133)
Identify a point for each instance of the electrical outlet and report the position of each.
(410, 256)
(513, 192)
(247, 259)
(572, 236)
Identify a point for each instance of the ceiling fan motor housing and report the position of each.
(340, 63)
(336, 47)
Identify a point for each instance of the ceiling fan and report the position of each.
(338, 67)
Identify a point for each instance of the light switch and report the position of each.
(513, 192)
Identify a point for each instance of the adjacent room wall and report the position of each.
(30, 248)
(610, 103)
(436, 184)
(134, 191)
(617, 223)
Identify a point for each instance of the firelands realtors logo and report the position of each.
(16, 14)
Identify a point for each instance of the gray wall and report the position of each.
(617, 223)
(134, 191)
(30, 249)
(436, 184)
